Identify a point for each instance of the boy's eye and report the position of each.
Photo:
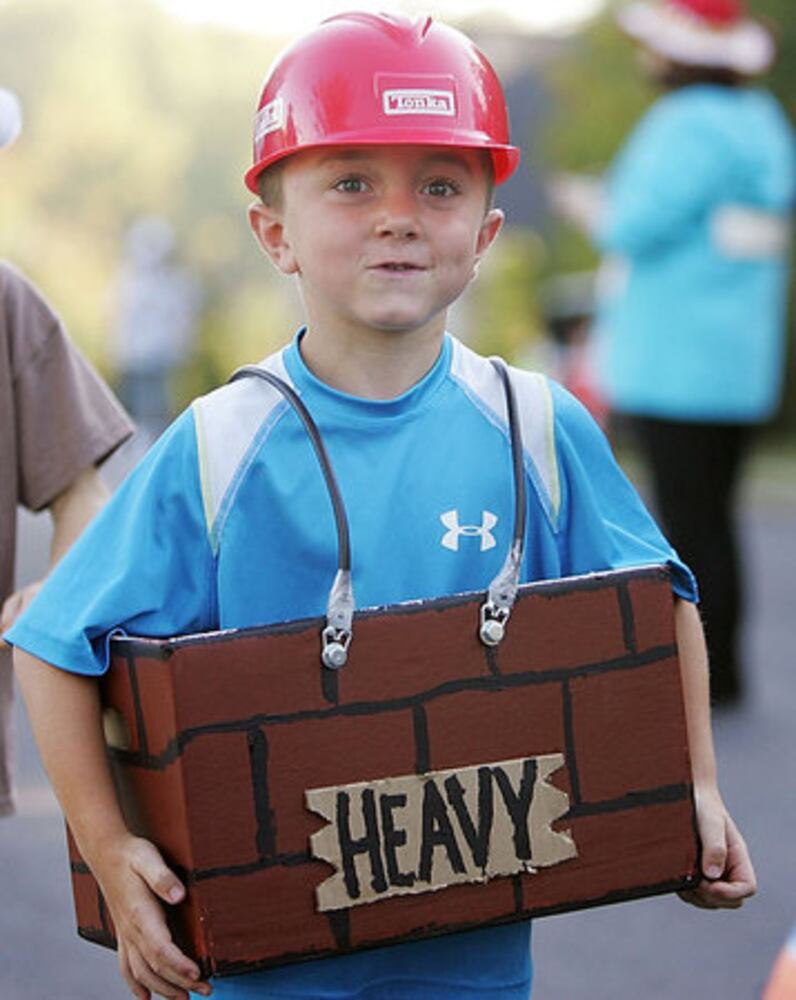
(442, 187)
(351, 185)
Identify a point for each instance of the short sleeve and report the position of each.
(663, 181)
(66, 417)
(143, 567)
(604, 523)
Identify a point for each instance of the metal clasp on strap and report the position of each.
(335, 647)
(493, 623)
(337, 635)
(502, 593)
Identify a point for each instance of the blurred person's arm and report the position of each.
(71, 511)
(578, 198)
(727, 873)
(64, 709)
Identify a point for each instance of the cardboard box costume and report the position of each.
(447, 769)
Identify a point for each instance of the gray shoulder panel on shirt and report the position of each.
(228, 421)
(478, 378)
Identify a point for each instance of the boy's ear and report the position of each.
(490, 227)
(268, 227)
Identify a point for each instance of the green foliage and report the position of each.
(129, 112)
(502, 312)
(598, 94)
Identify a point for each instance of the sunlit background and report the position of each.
(142, 108)
(292, 18)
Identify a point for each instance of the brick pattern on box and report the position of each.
(227, 733)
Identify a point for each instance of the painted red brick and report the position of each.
(630, 731)
(652, 615)
(262, 663)
(214, 800)
(154, 805)
(625, 851)
(521, 722)
(565, 630)
(277, 902)
(87, 901)
(421, 657)
(332, 751)
(156, 693)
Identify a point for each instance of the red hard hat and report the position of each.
(379, 79)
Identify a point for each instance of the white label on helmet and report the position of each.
(270, 118)
(419, 102)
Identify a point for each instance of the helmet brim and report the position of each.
(505, 158)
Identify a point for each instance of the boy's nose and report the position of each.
(398, 217)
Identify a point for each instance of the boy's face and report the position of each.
(383, 238)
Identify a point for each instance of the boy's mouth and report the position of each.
(397, 266)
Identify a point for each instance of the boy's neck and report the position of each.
(372, 365)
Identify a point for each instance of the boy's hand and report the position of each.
(728, 875)
(134, 877)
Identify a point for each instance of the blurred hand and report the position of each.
(577, 198)
(728, 877)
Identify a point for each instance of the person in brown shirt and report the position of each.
(58, 422)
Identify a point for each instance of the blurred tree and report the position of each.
(130, 112)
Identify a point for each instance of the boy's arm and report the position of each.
(64, 710)
(728, 875)
(71, 511)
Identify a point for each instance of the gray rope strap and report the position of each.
(502, 590)
(336, 635)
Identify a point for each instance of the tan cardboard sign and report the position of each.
(423, 832)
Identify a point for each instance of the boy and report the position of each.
(377, 143)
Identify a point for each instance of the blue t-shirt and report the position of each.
(227, 523)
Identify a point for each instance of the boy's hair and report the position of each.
(269, 183)
(675, 76)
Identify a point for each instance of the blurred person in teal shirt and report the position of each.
(693, 220)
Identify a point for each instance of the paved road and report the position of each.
(652, 950)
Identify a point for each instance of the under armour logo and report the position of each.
(455, 530)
